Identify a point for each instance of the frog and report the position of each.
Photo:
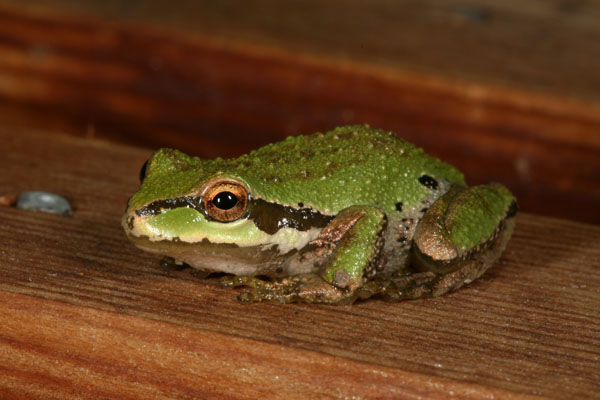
(334, 217)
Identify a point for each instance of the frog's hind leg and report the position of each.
(461, 235)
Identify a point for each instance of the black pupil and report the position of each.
(225, 200)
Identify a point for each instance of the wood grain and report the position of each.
(83, 313)
(85, 353)
(547, 46)
(507, 92)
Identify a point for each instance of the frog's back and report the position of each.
(347, 166)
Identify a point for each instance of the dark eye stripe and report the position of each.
(270, 217)
(428, 181)
(157, 207)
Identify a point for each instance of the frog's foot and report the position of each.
(405, 285)
(307, 288)
(461, 235)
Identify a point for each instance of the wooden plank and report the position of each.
(85, 353)
(542, 45)
(84, 312)
(135, 80)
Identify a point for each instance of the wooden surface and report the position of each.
(84, 314)
(475, 40)
(507, 91)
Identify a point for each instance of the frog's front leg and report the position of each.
(459, 237)
(351, 246)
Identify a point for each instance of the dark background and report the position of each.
(506, 91)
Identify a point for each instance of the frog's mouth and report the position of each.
(264, 260)
(188, 225)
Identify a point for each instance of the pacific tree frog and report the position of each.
(327, 218)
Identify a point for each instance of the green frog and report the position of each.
(326, 218)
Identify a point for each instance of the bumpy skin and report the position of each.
(333, 217)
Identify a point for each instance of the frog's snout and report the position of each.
(128, 222)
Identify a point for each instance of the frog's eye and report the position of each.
(225, 200)
(143, 171)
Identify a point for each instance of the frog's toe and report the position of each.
(233, 281)
(258, 289)
(267, 293)
(402, 286)
(248, 297)
(229, 281)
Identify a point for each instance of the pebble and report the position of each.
(44, 201)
